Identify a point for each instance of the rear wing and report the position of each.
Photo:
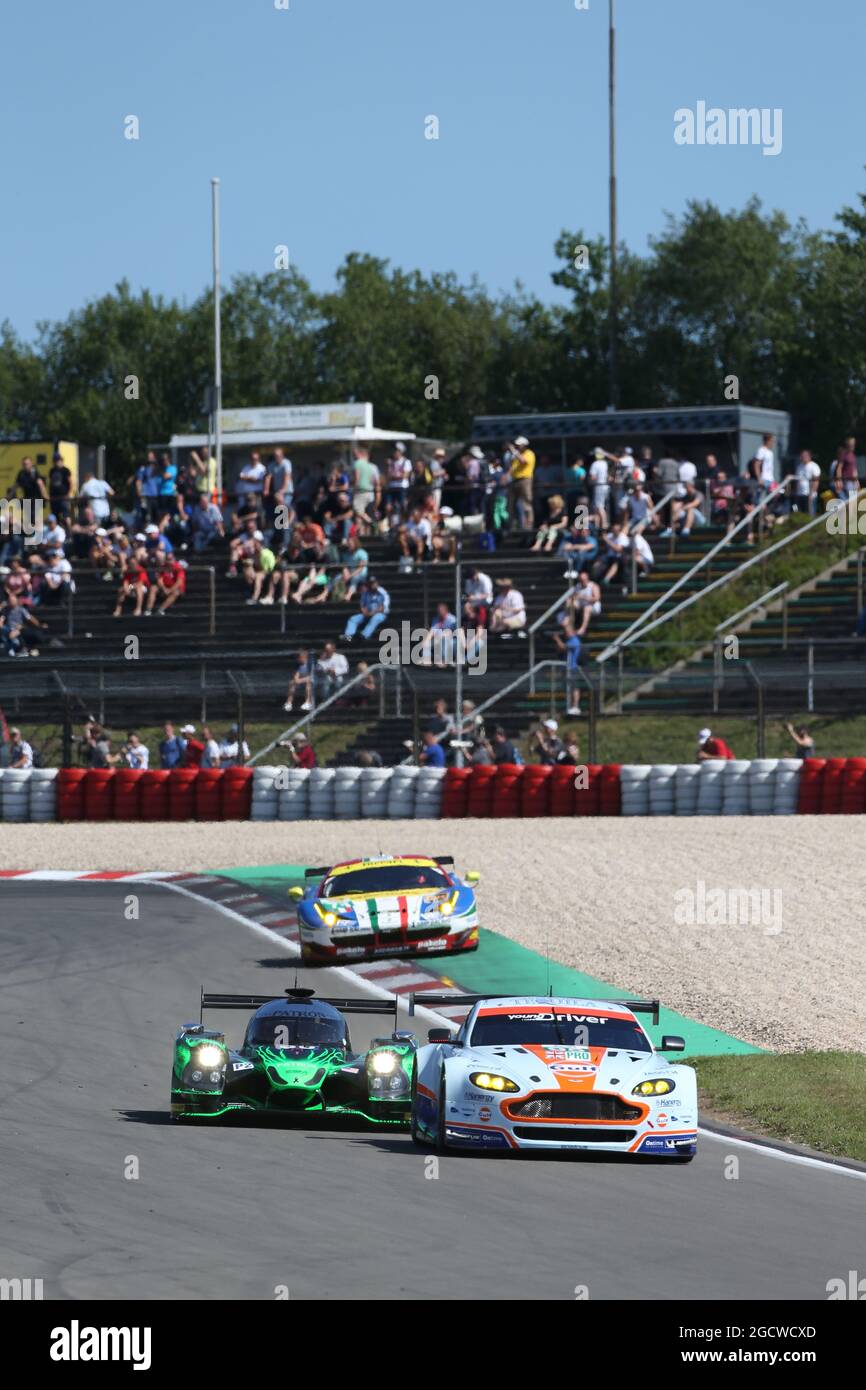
(635, 1006)
(444, 859)
(318, 873)
(255, 1001)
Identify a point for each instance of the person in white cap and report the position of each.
(709, 747)
(470, 467)
(522, 473)
(547, 742)
(599, 486)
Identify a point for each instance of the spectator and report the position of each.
(710, 747)
(522, 469)
(59, 487)
(96, 492)
(508, 614)
(331, 671)
(477, 597)
(301, 682)
(570, 755)
(368, 757)
(367, 492)
(171, 748)
(398, 470)
(432, 753)
(251, 481)
(279, 488)
(691, 508)
(211, 755)
(19, 629)
(30, 482)
(587, 601)
(638, 509)
(554, 526)
(599, 485)
(804, 744)
(471, 465)
(206, 524)
(365, 690)
(807, 478)
(570, 644)
(438, 477)
(579, 548)
(194, 751)
(375, 605)
(440, 722)
(168, 587)
(438, 645)
(547, 743)
(502, 749)
(848, 472)
(612, 560)
(137, 755)
(20, 751)
(57, 582)
(233, 751)
(767, 462)
(301, 752)
(722, 499)
(134, 583)
(479, 753)
(414, 536)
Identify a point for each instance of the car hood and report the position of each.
(566, 1067)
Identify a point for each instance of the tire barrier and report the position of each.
(760, 787)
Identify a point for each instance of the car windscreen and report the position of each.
(554, 1028)
(296, 1029)
(386, 878)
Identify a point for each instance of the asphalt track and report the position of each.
(89, 1004)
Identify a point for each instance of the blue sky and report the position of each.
(313, 117)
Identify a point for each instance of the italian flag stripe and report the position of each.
(404, 913)
(374, 913)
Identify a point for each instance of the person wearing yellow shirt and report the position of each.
(522, 470)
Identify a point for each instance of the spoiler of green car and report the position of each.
(255, 1001)
(635, 1006)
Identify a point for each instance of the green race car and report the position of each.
(296, 1058)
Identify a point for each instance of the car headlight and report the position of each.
(659, 1087)
(384, 1063)
(208, 1056)
(447, 907)
(490, 1081)
(328, 916)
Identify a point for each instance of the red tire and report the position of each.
(480, 799)
(610, 796)
(809, 788)
(99, 794)
(831, 787)
(153, 796)
(562, 792)
(70, 793)
(535, 791)
(127, 793)
(208, 794)
(237, 793)
(854, 787)
(455, 793)
(181, 793)
(587, 799)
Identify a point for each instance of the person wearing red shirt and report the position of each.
(135, 582)
(194, 751)
(302, 754)
(709, 747)
(170, 583)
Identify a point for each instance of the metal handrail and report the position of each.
(314, 713)
(629, 636)
(757, 603)
(747, 520)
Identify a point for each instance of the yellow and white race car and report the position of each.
(392, 905)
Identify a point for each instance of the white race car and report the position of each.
(543, 1073)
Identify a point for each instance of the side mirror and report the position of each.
(296, 893)
(473, 876)
(671, 1043)
(440, 1035)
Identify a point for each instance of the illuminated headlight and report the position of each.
(659, 1087)
(447, 907)
(383, 1063)
(208, 1056)
(328, 916)
(487, 1081)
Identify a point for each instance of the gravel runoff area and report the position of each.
(612, 898)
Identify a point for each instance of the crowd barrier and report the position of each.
(760, 787)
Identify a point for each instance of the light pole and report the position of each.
(217, 340)
(613, 386)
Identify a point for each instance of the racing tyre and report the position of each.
(414, 1132)
(440, 1117)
